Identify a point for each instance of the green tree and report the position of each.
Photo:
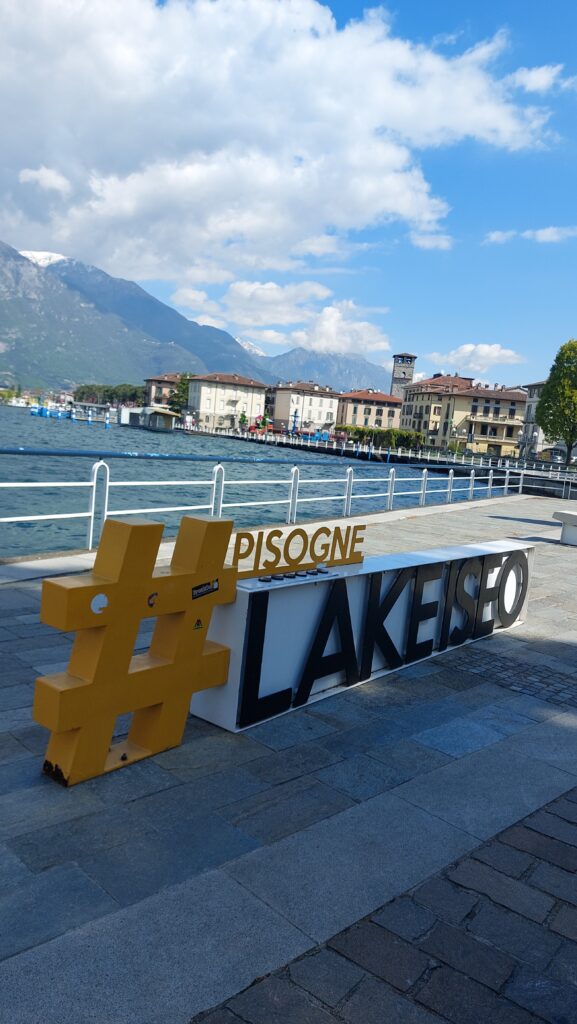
(556, 411)
(179, 397)
(243, 421)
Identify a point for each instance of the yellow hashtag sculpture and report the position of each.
(105, 678)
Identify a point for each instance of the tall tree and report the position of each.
(179, 397)
(556, 412)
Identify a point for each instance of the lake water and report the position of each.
(19, 428)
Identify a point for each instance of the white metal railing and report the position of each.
(217, 497)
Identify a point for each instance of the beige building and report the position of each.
(304, 405)
(225, 401)
(423, 403)
(453, 409)
(372, 409)
(160, 389)
(484, 419)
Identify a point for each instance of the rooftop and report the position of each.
(228, 378)
(308, 386)
(368, 395)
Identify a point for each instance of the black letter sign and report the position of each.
(254, 708)
(421, 612)
(377, 611)
(319, 664)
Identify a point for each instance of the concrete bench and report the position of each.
(569, 526)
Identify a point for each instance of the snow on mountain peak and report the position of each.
(43, 259)
(249, 347)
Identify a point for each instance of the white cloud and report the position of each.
(263, 304)
(199, 146)
(543, 235)
(432, 241)
(499, 237)
(552, 234)
(538, 79)
(339, 329)
(46, 178)
(476, 358)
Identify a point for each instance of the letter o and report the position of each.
(516, 560)
(301, 535)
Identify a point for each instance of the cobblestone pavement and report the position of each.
(492, 938)
(155, 893)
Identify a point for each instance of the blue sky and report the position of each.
(309, 174)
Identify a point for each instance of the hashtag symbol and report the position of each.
(105, 678)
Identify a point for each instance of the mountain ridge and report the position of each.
(64, 322)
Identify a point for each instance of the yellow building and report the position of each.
(372, 409)
(484, 419)
(448, 408)
(423, 403)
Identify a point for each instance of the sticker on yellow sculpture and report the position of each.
(105, 678)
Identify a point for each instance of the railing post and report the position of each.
(472, 485)
(506, 485)
(521, 475)
(348, 491)
(391, 490)
(423, 494)
(217, 491)
(94, 473)
(293, 496)
(490, 484)
(450, 486)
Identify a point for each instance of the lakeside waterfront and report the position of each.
(17, 428)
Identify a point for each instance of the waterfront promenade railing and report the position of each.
(295, 494)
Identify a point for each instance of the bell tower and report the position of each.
(403, 370)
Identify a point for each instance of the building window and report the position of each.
(486, 410)
(484, 429)
(355, 408)
(367, 411)
(354, 421)
(378, 422)
(390, 413)
(509, 432)
(366, 421)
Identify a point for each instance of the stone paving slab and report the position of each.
(328, 875)
(449, 950)
(161, 960)
(333, 775)
(489, 789)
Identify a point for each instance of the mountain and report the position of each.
(343, 373)
(51, 336)
(63, 322)
(215, 349)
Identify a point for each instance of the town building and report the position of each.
(485, 419)
(422, 403)
(403, 372)
(225, 401)
(453, 409)
(533, 438)
(303, 405)
(368, 408)
(159, 390)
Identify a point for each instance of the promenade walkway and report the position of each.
(405, 851)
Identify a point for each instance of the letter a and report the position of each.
(336, 612)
